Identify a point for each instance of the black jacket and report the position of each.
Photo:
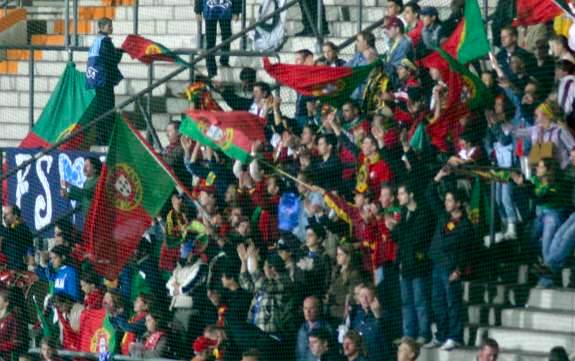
(16, 243)
(327, 174)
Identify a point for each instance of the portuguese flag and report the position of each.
(147, 51)
(531, 12)
(230, 132)
(468, 42)
(97, 333)
(70, 106)
(333, 85)
(132, 189)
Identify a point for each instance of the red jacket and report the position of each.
(372, 173)
(10, 335)
(93, 300)
(268, 217)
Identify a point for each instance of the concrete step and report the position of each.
(553, 299)
(539, 319)
(476, 292)
(470, 353)
(530, 340)
(484, 314)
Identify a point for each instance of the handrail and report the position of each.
(95, 356)
(144, 91)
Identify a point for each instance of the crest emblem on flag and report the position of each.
(100, 341)
(328, 89)
(153, 49)
(126, 186)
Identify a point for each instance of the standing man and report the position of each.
(214, 12)
(15, 239)
(92, 170)
(312, 313)
(102, 74)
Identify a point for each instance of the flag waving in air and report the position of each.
(231, 132)
(131, 191)
(333, 85)
(70, 106)
(147, 51)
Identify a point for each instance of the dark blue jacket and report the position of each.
(372, 331)
(217, 9)
(223, 177)
(102, 68)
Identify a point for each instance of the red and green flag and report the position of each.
(70, 106)
(97, 333)
(532, 12)
(233, 133)
(333, 85)
(131, 191)
(147, 51)
(468, 42)
(199, 92)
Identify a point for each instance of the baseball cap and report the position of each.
(393, 21)
(429, 11)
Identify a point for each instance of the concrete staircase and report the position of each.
(526, 322)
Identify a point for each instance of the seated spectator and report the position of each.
(510, 47)
(400, 45)
(59, 273)
(408, 350)
(560, 48)
(489, 350)
(155, 339)
(261, 95)
(365, 54)
(367, 322)
(431, 32)
(329, 51)
(320, 346)
(413, 23)
(312, 313)
(135, 327)
(353, 347)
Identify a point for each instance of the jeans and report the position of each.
(505, 203)
(446, 300)
(415, 308)
(546, 223)
(105, 101)
(211, 31)
(561, 247)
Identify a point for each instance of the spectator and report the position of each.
(215, 13)
(353, 347)
(313, 269)
(89, 282)
(408, 350)
(155, 339)
(509, 47)
(413, 23)
(251, 355)
(431, 32)
(330, 53)
(243, 100)
(545, 65)
(271, 289)
(11, 331)
(102, 74)
(237, 299)
(489, 350)
(92, 169)
(135, 327)
(565, 73)
(312, 313)
(400, 45)
(560, 48)
(319, 346)
(413, 236)
(345, 277)
(327, 171)
(63, 276)
(452, 233)
(544, 189)
(173, 153)
(261, 95)
(365, 54)
(16, 238)
(367, 322)
(203, 349)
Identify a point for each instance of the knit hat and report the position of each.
(550, 110)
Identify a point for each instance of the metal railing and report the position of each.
(146, 90)
(67, 354)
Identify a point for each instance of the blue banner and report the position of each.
(35, 189)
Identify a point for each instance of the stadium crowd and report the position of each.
(351, 230)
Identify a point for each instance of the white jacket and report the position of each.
(184, 277)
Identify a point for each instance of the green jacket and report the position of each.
(84, 195)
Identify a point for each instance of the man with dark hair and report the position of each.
(246, 97)
(302, 57)
(320, 346)
(489, 350)
(261, 92)
(431, 32)
(327, 172)
(92, 169)
(15, 239)
(217, 12)
(565, 70)
(453, 232)
(365, 54)
(173, 153)
(102, 74)
(236, 299)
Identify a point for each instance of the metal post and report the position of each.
(492, 213)
(486, 15)
(75, 11)
(136, 10)
(149, 95)
(67, 28)
(320, 22)
(199, 44)
(244, 41)
(1, 188)
(192, 68)
(31, 62)
(359, 15)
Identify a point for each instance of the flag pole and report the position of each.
(284, 173)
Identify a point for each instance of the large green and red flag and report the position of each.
(70, 106)
(97, 333)
(147, 51)
(333, 85)
(231, 132)
(468, 42)
(131, 191)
